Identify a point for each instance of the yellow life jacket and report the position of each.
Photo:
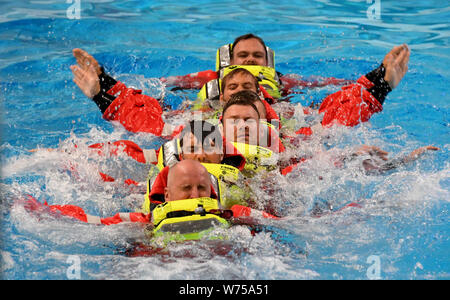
(267, 78)
(225, 179)
(169, 154)
(231, 188)
(189, 219)
(257, 158)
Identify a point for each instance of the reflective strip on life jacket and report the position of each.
(200, 206)
(150, 156)
(169, 154)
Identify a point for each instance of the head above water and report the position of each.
(249, 49)
(240, 118)
(201, 141)
(244, 96)
(238, 80)
(188, 179)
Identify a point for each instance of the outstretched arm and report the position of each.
(190, 81)
(388, 75)
(31, 204)
(372, 167)
(376, 160)
(292, 81)
(357, 102)
(395, 65)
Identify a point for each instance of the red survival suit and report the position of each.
(33, 205)
(137, 112)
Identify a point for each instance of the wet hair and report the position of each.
(203, 131)
(247, 37)
(235, 72)
(246, 98)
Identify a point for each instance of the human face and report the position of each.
(249, 52)
(239, 82)
(241, 124)
(187, 180)
(193, 149)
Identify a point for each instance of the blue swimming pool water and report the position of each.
(402, 229)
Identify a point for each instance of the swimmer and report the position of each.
(250, 49)
(188, 179)
(247, 50)
(199, 140)
(242, 126)
(241, 122)
(336, 110)
(241, 119)
(202, 142)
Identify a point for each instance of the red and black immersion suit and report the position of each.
(351, 105)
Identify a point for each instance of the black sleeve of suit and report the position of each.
(103, 99)
(381, 88)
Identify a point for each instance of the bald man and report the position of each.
(188, 179)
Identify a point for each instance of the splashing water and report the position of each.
(399, 217)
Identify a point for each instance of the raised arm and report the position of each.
(357, 102)
(86, 72)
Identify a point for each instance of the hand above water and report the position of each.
(419, 151)
(86, 73)
(396, 65)
(383, 155)
(374, 165)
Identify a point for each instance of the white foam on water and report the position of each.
(301, 246)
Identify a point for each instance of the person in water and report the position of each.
(202, 142)
(241, 124)
(250, 49)
(188, 179)
(118, 103)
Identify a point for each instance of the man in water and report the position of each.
(241, 124)
(187, 179)
(247, 50)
